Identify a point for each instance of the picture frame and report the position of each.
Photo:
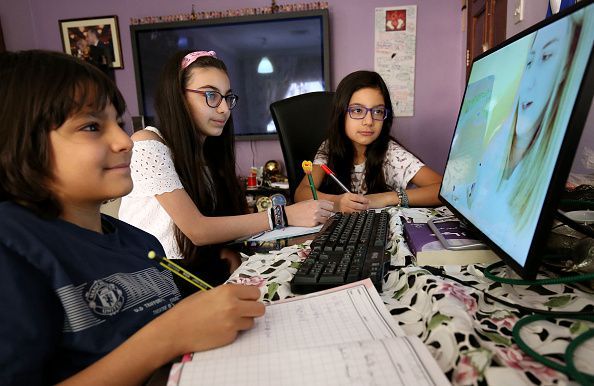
(94, 39)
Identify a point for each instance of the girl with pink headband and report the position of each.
(186, 192)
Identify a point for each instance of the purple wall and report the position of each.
(439, 72)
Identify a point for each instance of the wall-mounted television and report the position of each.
(269, 57)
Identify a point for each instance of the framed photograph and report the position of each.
(94, 39)
(396, 20)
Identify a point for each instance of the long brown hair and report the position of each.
(206, 169)
(340, 148)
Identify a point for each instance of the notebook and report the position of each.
(342, 336)
(286, 232)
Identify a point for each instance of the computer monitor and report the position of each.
(520, 121)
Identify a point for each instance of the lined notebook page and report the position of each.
(349, 313)
(391, 361)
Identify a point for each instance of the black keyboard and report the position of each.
(350, 247)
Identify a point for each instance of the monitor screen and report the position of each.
(269, 57)
(520, 121)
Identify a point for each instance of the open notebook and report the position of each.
(343, 336)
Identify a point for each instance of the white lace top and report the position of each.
(153, 173)
(400, 166)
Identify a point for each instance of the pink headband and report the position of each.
(192, 56)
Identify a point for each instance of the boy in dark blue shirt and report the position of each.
(83, 304)
(66, 286)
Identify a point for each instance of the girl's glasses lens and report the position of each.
(231, 100)
(359, 112)
(214, 98)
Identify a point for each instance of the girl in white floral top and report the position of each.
(363, 155)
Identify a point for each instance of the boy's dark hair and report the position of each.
(206, 170)
(40, 91)
(340, 148)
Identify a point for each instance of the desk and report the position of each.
(469, 336)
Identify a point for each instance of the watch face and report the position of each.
(263, 203)
(278, 199)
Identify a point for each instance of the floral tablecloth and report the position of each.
(469, 335)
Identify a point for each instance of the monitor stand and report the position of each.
(431, 223)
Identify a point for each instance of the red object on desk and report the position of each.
(252, 181)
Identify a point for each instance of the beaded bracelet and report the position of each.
(403, 197)
(278, 216)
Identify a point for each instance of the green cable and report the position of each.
(537, 315)
(581, 377)
(556, 280)
(569, 367)
(582, 204)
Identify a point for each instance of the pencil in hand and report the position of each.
(179, 271)
(333, 176)
(307, 168)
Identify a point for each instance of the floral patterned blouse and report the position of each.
(400, 166)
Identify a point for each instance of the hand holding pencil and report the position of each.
(210, 319)
(347, 202)
(206, 319)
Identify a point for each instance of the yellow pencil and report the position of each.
(179, 271)
(307, 168)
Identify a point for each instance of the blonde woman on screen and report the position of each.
(522, 150)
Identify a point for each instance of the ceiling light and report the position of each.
(265, 67)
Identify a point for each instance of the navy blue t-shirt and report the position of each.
(69, 295)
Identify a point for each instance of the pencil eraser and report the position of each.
(307, 166)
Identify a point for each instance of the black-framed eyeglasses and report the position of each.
(378, 113)
(214, 98)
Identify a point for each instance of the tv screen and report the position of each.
(269, 57)
(520, 121)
